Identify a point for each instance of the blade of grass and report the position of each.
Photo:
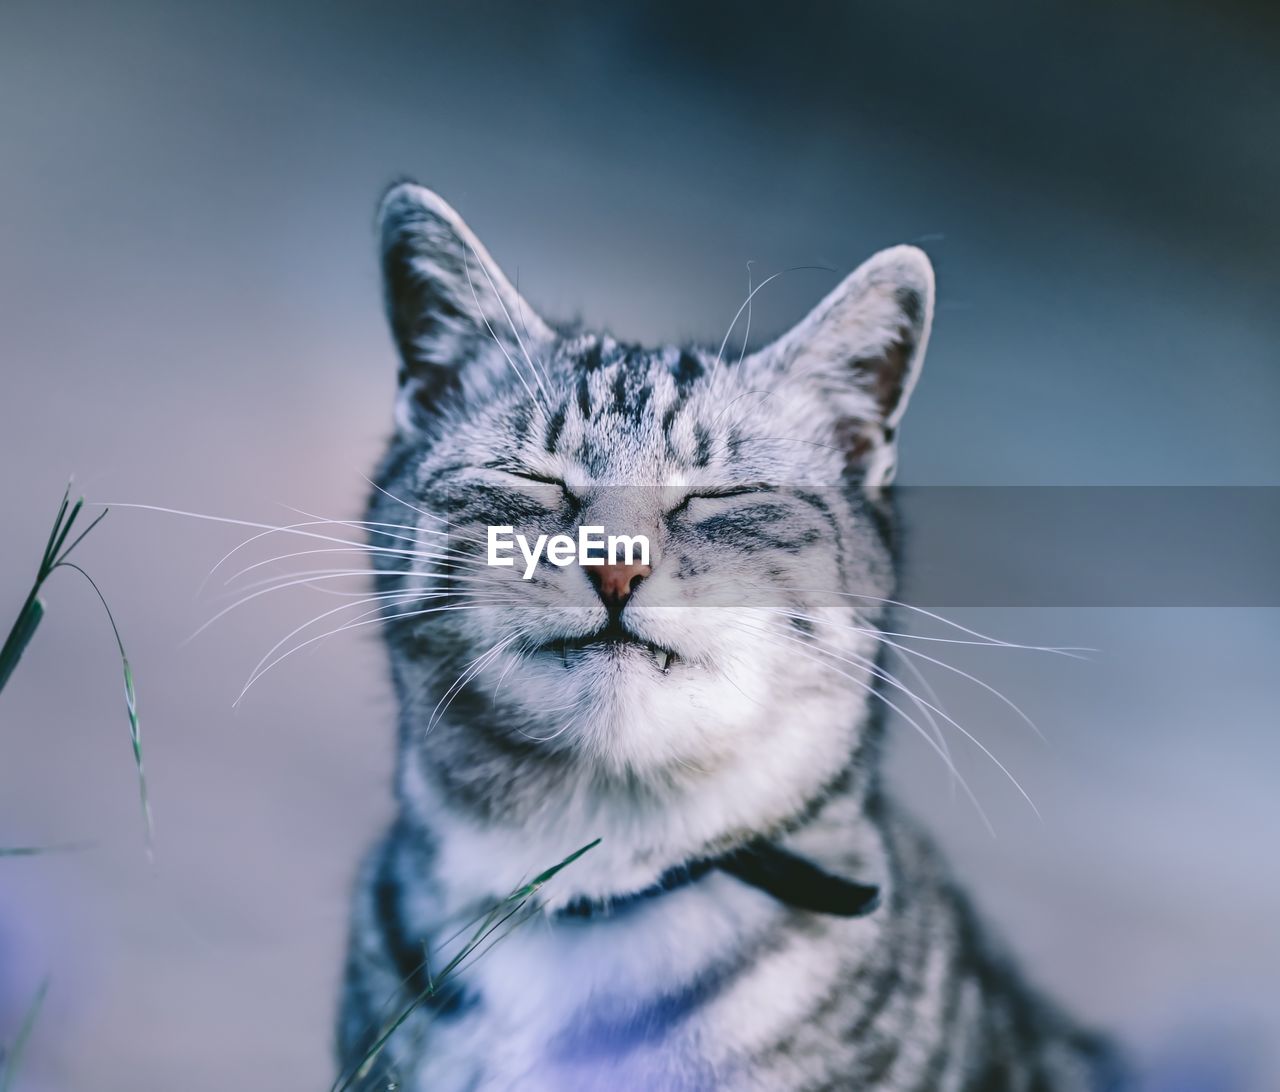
(81, 536)
(56, 554)
(543, 877)
(13, 1057)
(130, 700)
(62, 534)
(28, 619)
(46, 560)
(489, 923)
(20, 636)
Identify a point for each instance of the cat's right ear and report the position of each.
(450, 307)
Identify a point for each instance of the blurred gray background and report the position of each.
(190, 317)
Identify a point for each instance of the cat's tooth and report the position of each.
(660, 658)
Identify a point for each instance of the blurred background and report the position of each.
(190, 317)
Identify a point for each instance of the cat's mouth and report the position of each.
(613, 639)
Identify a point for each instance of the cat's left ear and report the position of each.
(864, 346)
(453, 313)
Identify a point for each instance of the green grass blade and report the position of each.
(20, 636)
(55, 556)
(81, 537)
(489, 924)
(130, 701)
(46, 561)
(62, 534)
(13, 1057)
(543, 877)
(135, 737)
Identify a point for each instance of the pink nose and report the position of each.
(615, 583)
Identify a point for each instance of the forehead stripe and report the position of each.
(686, 371)
(554, 427)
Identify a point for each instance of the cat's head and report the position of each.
(747, 641)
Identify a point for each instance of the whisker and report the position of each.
(932, 694)
(558, 732)
(314, 521)
(309, 576)
(290, 556)
(525, 326)
(374, 527)
(466, 265)
(344, 628)
(882, 636)
(399, 500)
(261, 526)
(468, 673)
(738, 314)
(888, 702)
(904, 651)
(744, 394)
(750, 296)
(382, 599)
(446, 558)
(925, 708)
(251, 596)
(746, 336)
(983, 638)
(507, 315)
(501, 679)
(950, 720)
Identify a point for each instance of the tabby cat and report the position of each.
(757, 914)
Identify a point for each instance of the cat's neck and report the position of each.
(490, 837)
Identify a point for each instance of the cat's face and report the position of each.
(745, 639)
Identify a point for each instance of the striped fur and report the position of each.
(761, 483)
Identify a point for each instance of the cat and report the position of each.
(757, 914)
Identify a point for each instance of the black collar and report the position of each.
(790, 879)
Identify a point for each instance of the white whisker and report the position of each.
(507, 314)
(950, 720)
(872, 691)
(342, 629)
(969, 736)
(747, 303)
(251, 596)
(983, 638)
(883, 635)
(738, 314)
(261, 526)
(315, 576)
(466, 265)
(398, 500)
(468, 673)
(746, 336)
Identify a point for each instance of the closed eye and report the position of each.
(545, 480)
(730, 491)
(527, 475)
(719, 493)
